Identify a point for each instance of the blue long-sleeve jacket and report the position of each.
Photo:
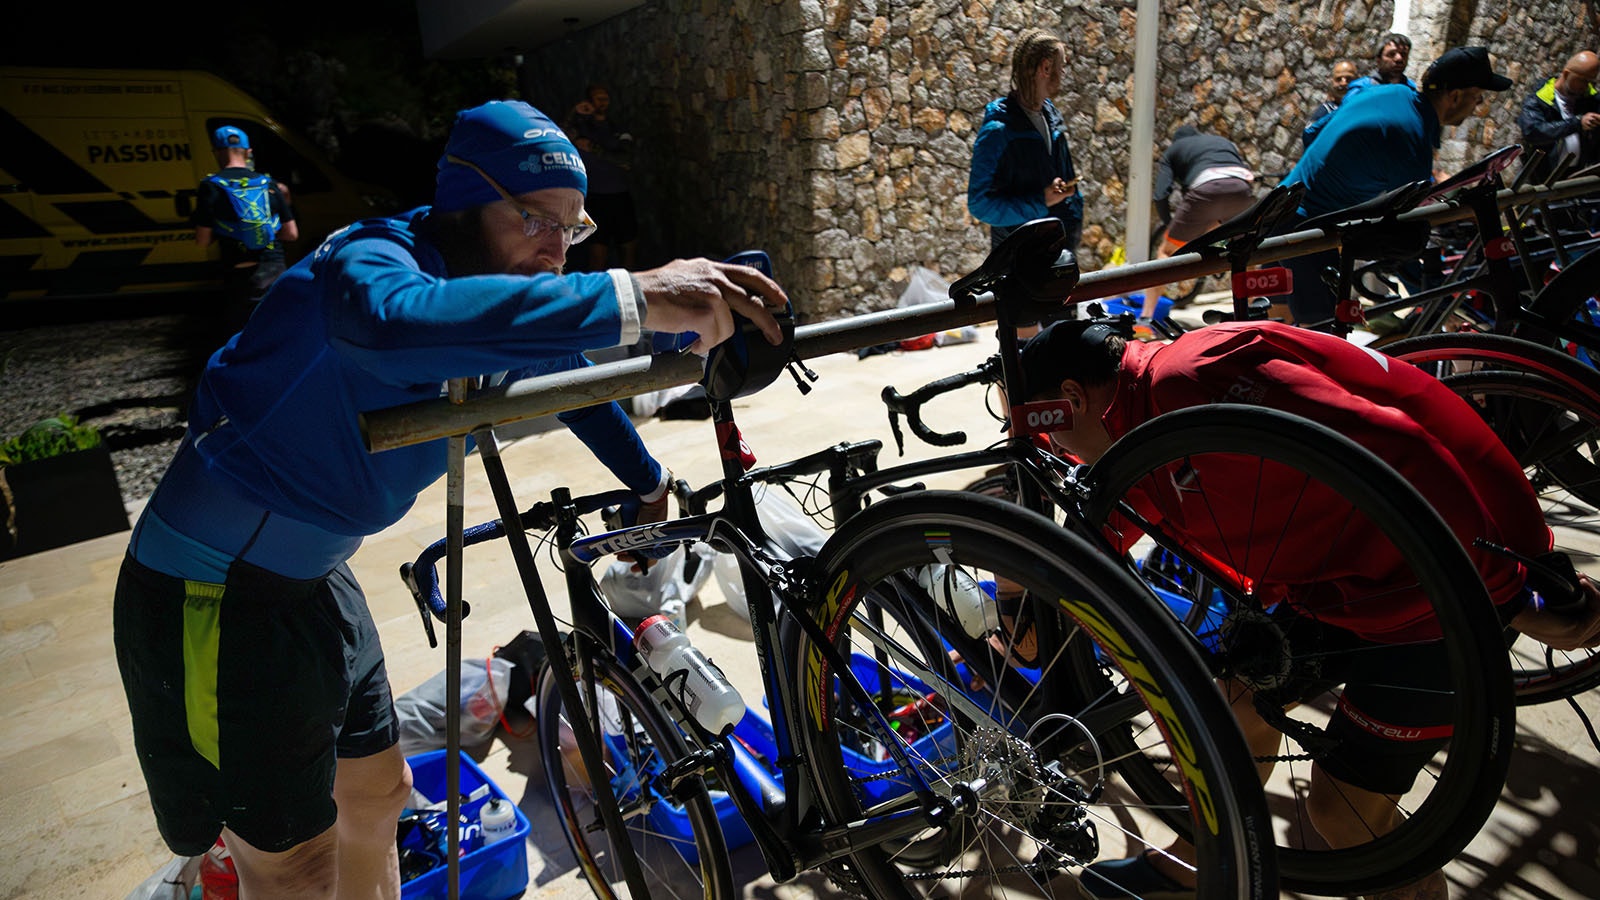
(1011, 167)
(370, 321)
(1379, 139)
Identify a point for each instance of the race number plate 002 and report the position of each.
(1271, 282)
(1041, 417)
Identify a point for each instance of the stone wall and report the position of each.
(1529, 43)
(837, 134)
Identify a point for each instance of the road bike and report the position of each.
(1233, 580)
(894, 767)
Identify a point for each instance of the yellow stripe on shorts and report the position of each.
(202, 634)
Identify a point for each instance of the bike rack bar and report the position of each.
(429, 420)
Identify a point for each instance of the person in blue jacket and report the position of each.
(261, 708)
(1021, 163)
(1380, 139)
(1389, 67)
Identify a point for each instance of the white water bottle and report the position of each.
(688, 675)
(960, 595)
(497, 820)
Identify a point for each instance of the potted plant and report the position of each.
(57, 487)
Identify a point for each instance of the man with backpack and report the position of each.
(248, 215)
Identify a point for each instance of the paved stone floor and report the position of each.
(74, 815)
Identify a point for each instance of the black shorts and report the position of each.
(1207, 205)
(243, 696)
(1394, 712)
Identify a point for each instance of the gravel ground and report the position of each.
(129, 377)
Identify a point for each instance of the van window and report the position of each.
(277, 157)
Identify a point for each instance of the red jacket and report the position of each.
(1350, 576)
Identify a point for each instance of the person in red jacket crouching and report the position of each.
(1405, 417)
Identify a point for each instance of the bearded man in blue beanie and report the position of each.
(261, 708)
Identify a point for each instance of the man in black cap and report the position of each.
(1382, 138)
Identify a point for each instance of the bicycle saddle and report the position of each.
(1370, 230)
(1034, 259)
(1477, 173)
(1386, 205)
(1256, 222)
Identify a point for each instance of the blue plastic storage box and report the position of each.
(1116, 306)
(496, 872)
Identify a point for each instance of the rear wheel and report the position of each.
(1311, 482)
(1557, 441)
(1017, 751)
(1572, 296)
(1545, 406)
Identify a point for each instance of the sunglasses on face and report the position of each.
(534, 225)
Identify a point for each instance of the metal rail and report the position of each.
(429, 420)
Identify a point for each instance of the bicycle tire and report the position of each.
(1557, 441)
(868, 559)
(1464, 790)
(1448, 353)
(634, 727)
(1565, 298)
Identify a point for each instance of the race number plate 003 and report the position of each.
(1271, 282)
(1041, 417)
(1500, 248)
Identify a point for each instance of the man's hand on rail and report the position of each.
(697, 294)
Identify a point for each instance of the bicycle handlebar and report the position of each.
(910, 405)
(422, 577)
(861, 455)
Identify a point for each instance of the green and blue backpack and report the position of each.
(254, 225)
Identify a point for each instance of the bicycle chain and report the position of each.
(1032, 871)
(1288, 757)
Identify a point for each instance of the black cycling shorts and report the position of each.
(244, 695)
(1395, 710)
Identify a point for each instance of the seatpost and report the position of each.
(1009, 300)
(1498, 249)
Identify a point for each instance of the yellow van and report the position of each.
(98, 170)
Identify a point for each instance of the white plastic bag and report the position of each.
(788, 527)
(649, 403)
(421, 709)
(925, 287)
(666, 588)
(172, 881)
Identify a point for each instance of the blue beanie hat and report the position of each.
(516, 144)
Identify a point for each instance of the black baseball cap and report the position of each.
(1464, 67)
(1055, 353)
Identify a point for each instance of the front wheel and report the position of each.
(678, 842)
(1020, 750)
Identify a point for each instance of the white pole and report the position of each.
(1141, 146)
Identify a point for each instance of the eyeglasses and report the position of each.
(534, 225)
